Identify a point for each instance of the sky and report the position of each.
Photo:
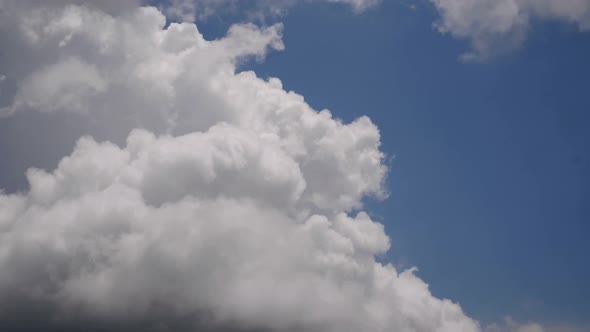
(456, 141)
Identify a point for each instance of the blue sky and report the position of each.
(490, 180)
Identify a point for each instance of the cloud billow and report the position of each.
(231, 206)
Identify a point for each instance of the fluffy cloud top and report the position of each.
(496, 26)
(234, 207)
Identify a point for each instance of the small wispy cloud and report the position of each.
(495, 27)
(191, 10)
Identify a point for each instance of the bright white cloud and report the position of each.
(497, 26)
(205, 221)
(236, 207)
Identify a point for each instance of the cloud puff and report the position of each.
(205, 222)
(497, 26)
(202, 224)
(234, 207)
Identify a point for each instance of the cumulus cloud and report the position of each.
(496, 26)
(232, 205)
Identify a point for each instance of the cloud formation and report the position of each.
(496, 26)
(232, 205)
(231, 209)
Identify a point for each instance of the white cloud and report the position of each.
(236, 211)
(62, 86)
(497, 26)
(236, 207)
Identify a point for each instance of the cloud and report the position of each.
(206, 224)
(189, 10)
(235, 208)
(495, 27)
(509, 325)
(231, 204)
